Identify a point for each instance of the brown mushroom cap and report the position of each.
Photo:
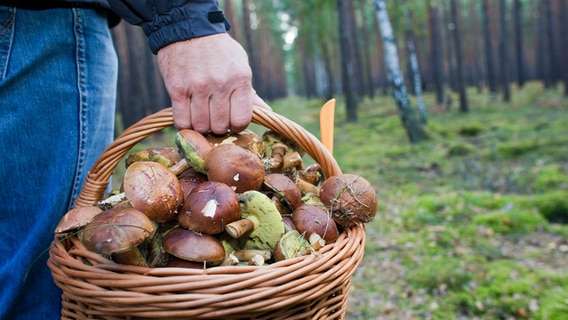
(351, 199)
(237, 167)
(192, 246)
(77, 218)
(116, 230)
(284, 188)
(209, 207)
(153, 189)
(189, 179)
(309, 219)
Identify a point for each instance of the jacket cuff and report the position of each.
(195, 19)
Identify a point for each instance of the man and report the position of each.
(58, 74)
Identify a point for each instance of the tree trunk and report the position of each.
(543, 62)
(250, 47)
(367, 70)
(459, 58)
(414, 64)
(413, 127)
(435, 53)
(519, 42)
(477, 73)
(551, 48)
(490, 71)
(347, 44)
(503, 52)
(564, 41)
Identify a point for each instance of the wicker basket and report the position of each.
(310, 287)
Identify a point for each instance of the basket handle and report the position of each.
(97, 179)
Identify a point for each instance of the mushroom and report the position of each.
(312, 174)
(312, 219)
(291, 245)
(246, 139)
(194, 148)
(76, 218)
(350, 198)
(239, 168)
(175, 262)
(117, 232)
(209, 207)
(284, 189)
(189, 179)
(261, 226)
(168, 156)
(277, 147)
(193, 246)
(247, 255)
(153, 189)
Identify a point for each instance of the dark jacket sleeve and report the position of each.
(165, 22)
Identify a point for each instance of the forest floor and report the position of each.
(472, 221)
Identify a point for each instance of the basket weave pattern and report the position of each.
(309, 287)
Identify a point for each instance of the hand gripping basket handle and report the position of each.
(99, 176)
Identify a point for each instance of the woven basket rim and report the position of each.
(102, 286)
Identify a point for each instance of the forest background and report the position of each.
(458, 118)
(328, 48)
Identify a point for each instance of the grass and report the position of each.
(472, 221)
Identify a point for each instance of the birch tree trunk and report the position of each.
(413, 127)
(414, 64)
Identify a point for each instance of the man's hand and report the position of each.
(209, 81)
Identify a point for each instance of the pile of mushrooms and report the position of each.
(235, 199)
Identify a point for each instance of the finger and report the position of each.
(241, 109)
(219, 111)
(181, 113)
(200, 112)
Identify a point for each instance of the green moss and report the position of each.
(517, 148)
(554, 305)
(552, 205)
(433, 273)
(550, 177)
(513, 222)
(461, 149)
(471, 130)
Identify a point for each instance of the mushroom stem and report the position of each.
(277, 158)
(180, 167)
(256, 260)
(316, 241)
(248, 254)
(307, 187)
(292, 159)
(237, 229)
(230, 260)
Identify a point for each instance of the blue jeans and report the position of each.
(58, 75)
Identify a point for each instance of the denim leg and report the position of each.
(58, 74)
